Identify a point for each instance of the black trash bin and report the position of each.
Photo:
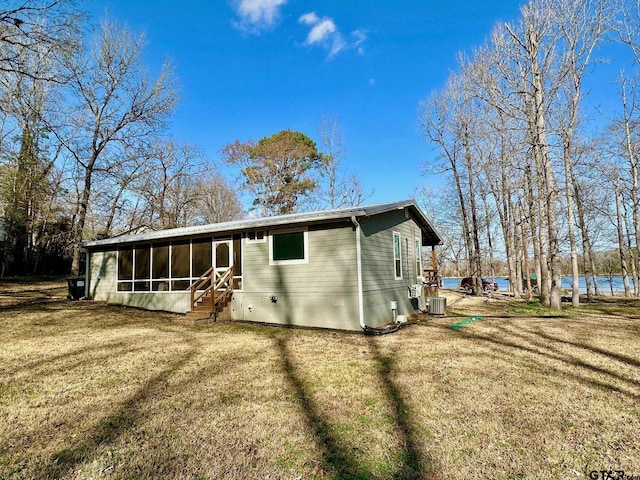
(76, 288)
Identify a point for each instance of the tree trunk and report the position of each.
(463, 211)
(621, 246)
(546, 174)
(536, 234)
(525, 255)
(568, 169)
(589, 272)
(475, 260)
(82, 217)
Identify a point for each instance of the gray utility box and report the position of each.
(437, 305)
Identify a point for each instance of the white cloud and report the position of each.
(358, 36)
(257, 15)
(322, 32)
(309, 18)
(325, 33)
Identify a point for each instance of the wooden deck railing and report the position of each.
(431, 277)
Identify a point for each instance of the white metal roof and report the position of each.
(267, 222)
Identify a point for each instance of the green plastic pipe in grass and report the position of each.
(462, 323)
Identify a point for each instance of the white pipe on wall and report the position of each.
(354, 220)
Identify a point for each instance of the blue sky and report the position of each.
(250, 68)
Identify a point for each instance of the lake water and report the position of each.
(603, 283)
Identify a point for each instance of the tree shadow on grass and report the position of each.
(601, 351)
(541, 347)
(551, 347)
(66, 361)
(36, 304)
(415, 463)
(339, 459)
(109, 428)
(334, 452)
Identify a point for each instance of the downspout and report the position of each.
(367, 330)
(354, 220)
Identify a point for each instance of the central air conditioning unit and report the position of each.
(437, 305)
(417, 296)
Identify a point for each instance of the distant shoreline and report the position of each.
(604, 284)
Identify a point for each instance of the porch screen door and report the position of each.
(223, 257)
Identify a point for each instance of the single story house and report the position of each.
(347, 268)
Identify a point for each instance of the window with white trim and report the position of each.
(289, 247)
(418, 257)
(256, 236)
(397, 255)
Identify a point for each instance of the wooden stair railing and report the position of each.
(214, 288)
(206, 277)
(223, 288)
(431, 282)
(431, 277)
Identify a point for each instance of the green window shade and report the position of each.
(288, 246)
(125, 264)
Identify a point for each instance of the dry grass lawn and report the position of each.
(89, 390)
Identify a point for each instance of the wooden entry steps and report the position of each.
(210, 297)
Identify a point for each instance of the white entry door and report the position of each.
(222, 256)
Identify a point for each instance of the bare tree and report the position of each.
(177, 186)
(27, 163)
(525, 150)
(443, 208)
(335, 188)
(439, 121)
(622, 141)
(501, 130)
(629, 26)
(620, 227)
(582, 26)
(45, 27)
(534, 44)
(114, 105)
(217, 200)
(584, 186)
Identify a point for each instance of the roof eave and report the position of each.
(327, 216)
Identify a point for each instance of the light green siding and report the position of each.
(379, 285)
(322, 292)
